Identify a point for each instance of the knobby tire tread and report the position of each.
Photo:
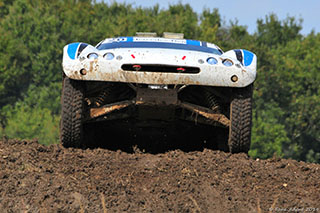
(241, 121)
(71, 131)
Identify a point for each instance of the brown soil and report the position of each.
(36, 178)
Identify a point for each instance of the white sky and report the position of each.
(248, 11)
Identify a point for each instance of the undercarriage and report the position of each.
(152, 111)
(162, 103)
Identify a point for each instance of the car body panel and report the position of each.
(159, 51)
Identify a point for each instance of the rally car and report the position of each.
(157, 81)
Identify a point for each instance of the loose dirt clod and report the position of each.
(36, 178)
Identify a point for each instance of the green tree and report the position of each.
(4, 7)
(25, 122)
(273, 31)
(31, 49)
(210, 23)
(295, 74)
(268, 134)
(179, 18)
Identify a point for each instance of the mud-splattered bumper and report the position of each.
(99, 70)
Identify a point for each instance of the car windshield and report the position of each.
(190, 45)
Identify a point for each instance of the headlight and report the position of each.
(212, 61)
(92, 56)
(227, 62)
(108, 56)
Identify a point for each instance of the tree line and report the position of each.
(286, 116)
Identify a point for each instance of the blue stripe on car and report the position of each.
(193, 42)
(164, 45)
(129, 39)
(247, 57)
(72, 49)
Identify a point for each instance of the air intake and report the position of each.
(160, 68)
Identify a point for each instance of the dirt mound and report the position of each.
(36, 178)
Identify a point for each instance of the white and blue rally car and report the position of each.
(159, 82)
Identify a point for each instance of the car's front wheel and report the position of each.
(240, 120)
(72, 111)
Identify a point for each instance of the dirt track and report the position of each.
(35, 178)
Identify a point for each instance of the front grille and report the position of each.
(160, 68)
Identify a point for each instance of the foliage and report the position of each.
(272, 31)
(293, 77)
(33, 33)
(268, 134)
(210, 23)
(36, 116)
(25, 122)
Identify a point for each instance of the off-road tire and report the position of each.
(240, 120)
(72, 111)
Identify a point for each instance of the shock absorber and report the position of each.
(212, 101)
(102, 97)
